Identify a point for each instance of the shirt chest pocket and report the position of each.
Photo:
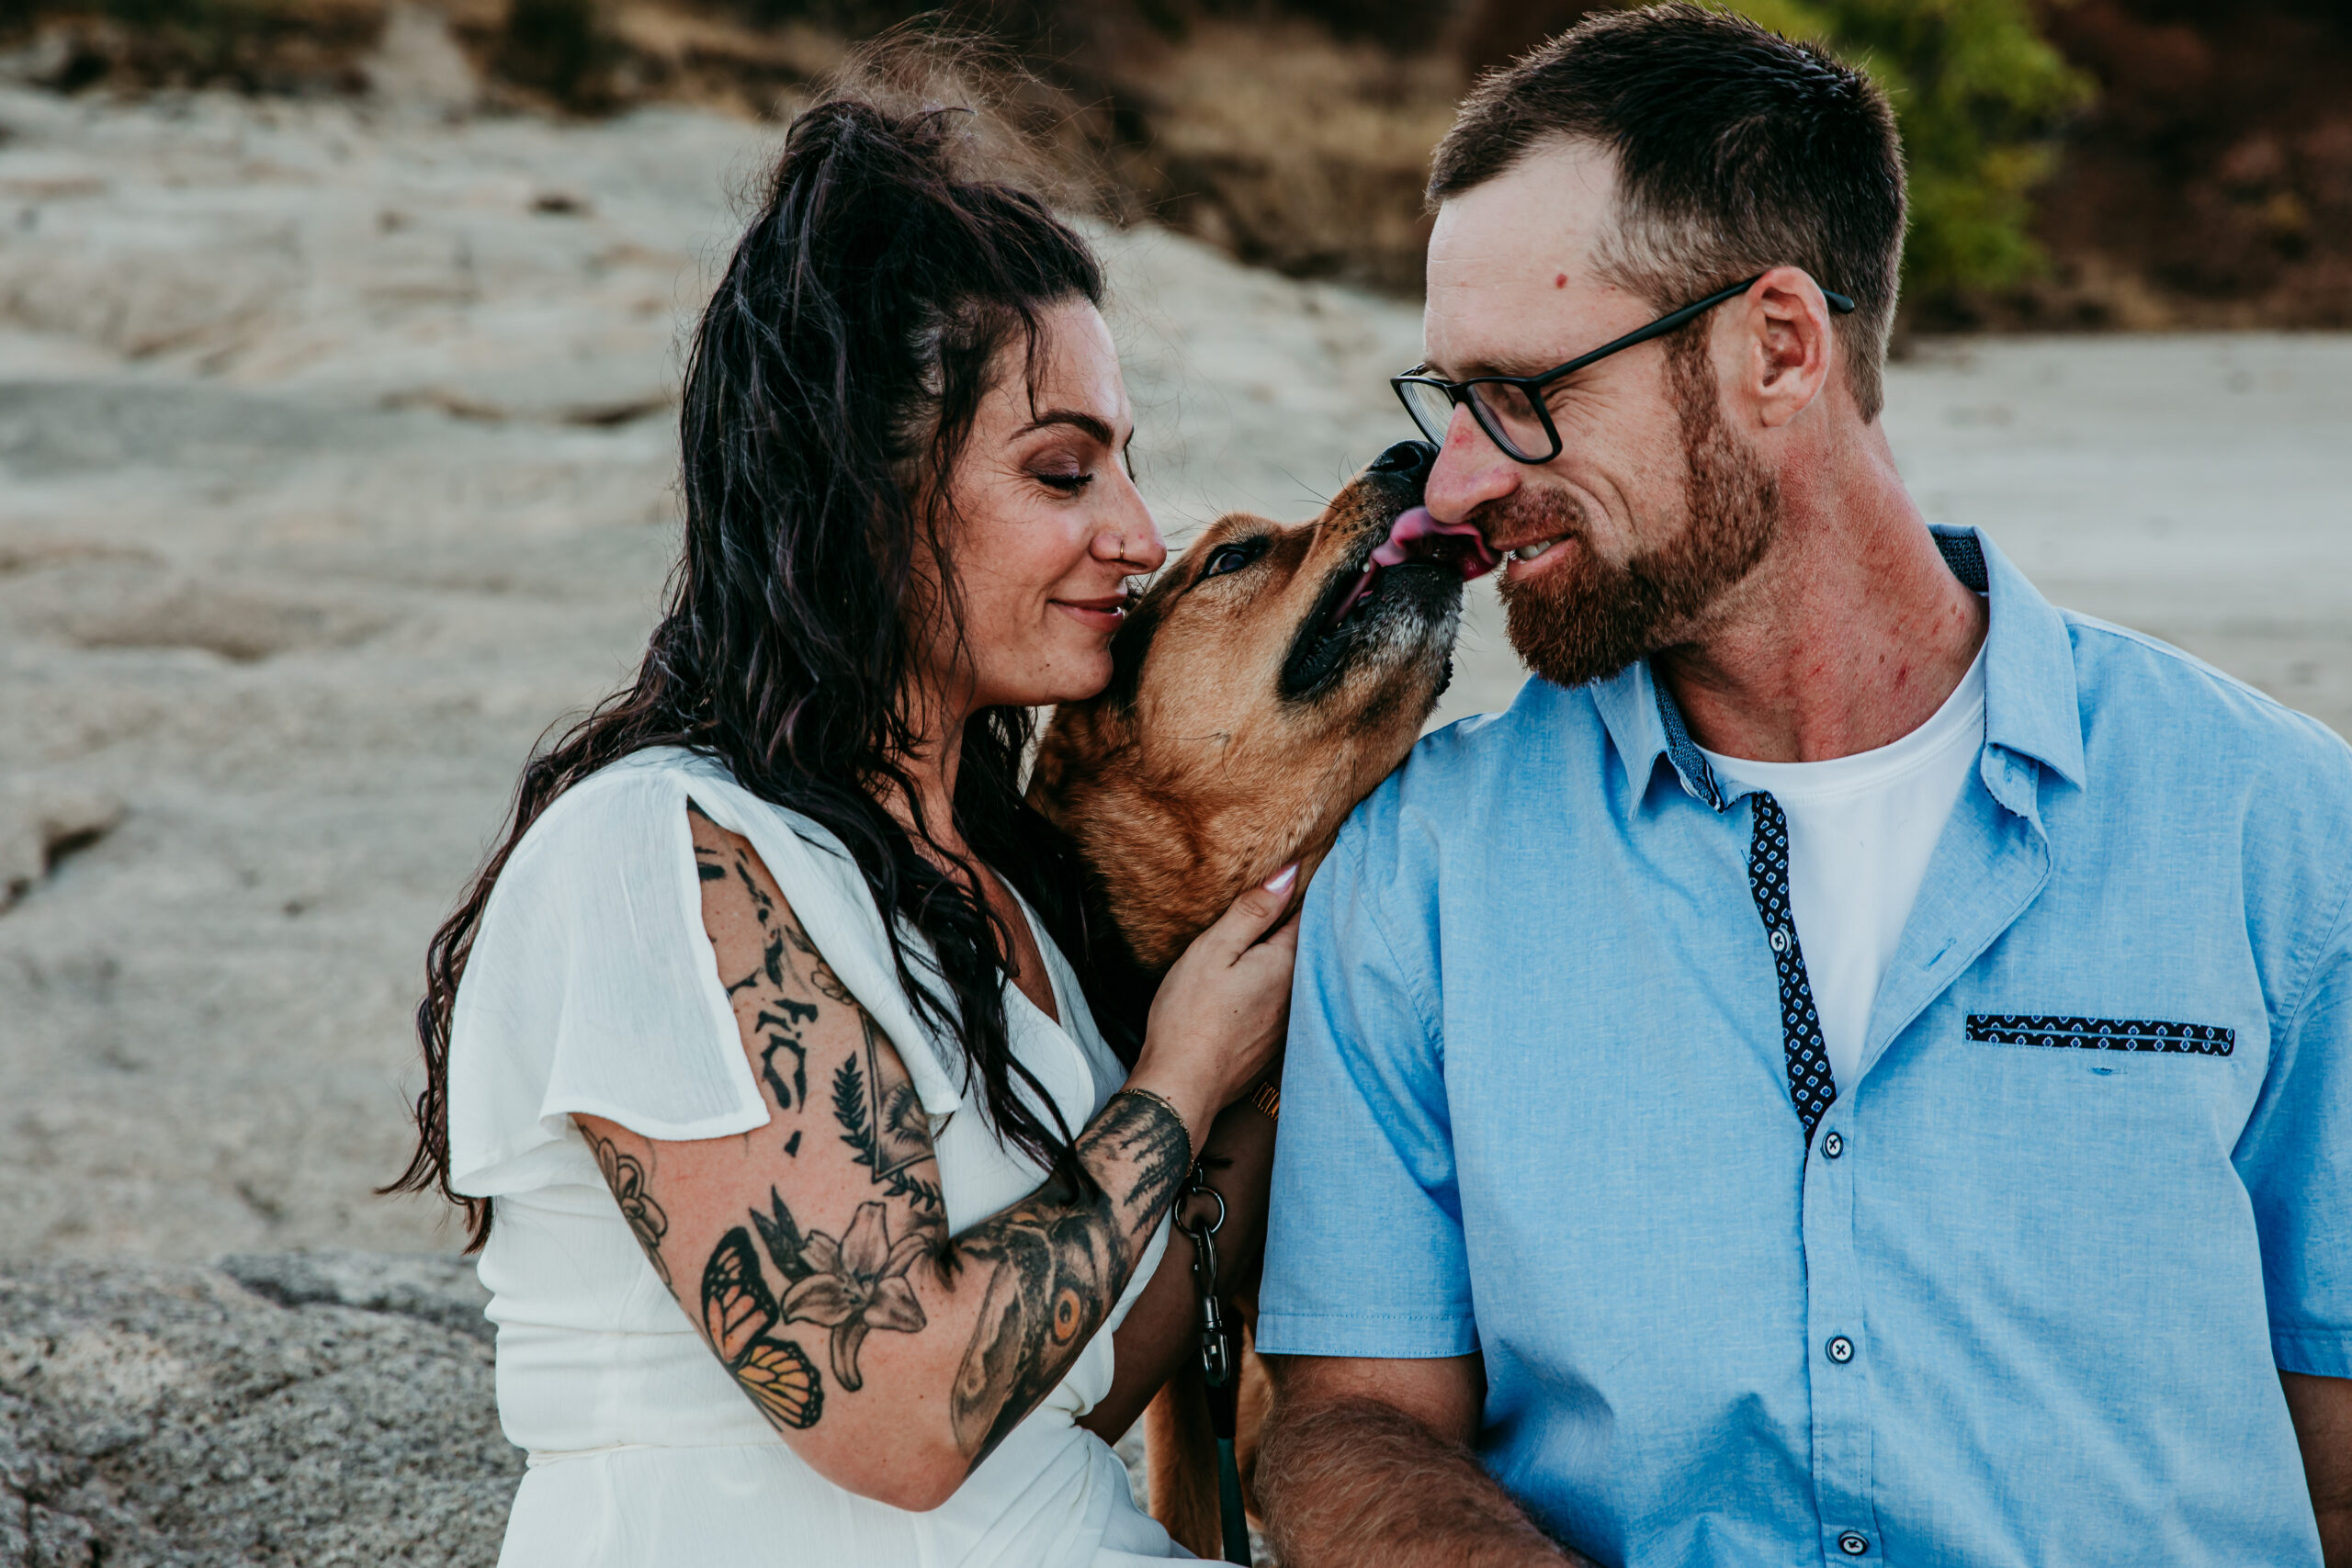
(2096, 1102)
(2159, 1036)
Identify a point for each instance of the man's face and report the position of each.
(1655, 508)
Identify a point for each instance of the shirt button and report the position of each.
(1833, 1146)
(1779, 942)
(1854, 1544)
(1840, 1349)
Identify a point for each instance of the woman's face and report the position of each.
(1047, 525)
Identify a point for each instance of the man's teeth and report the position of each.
(1533, 551)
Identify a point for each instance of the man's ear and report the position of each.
(1788, 349)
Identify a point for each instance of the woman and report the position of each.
(827, 1227)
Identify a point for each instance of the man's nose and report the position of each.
(1469, 471)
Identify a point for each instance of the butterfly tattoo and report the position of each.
(737, 1312)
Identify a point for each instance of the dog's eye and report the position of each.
(1232, 558)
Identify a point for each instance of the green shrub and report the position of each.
(1980, 94)
(1981, 98)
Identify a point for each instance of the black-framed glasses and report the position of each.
(1511, 409)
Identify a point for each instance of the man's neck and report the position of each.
(1850, 633)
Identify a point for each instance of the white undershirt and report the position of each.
(1861, 829)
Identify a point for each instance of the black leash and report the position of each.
(1220, 1363)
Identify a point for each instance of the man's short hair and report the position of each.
(1737, 150)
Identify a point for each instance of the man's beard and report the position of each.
(1586, 621)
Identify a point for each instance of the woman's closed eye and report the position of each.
(1064, 481)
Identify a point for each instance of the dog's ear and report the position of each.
(1050, 774)
(1079, 744)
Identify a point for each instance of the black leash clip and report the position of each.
(1220, 1358)
(1217, 1348)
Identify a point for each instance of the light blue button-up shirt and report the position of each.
(2022, 1299)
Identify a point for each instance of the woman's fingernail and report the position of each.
(1280, 881)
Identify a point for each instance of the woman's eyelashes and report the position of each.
(1063, 481)
(1068, 464)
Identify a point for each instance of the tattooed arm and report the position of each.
(813, 1252)
(1162, 1333)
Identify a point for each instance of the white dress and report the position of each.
(592, 987)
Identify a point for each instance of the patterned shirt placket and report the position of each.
(1810, 1085)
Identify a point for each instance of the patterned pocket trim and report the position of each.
(2102, 1033)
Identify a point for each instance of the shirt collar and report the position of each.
(2031, 708)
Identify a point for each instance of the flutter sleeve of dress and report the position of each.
(591, 986)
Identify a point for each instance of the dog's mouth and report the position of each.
(1441, 556)
(1415, 538)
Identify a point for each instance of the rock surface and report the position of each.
(269, 1410)
(273, 1410)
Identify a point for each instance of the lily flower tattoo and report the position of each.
(851, 1286)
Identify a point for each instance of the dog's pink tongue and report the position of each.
(1417, 524)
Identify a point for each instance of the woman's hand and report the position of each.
(1217, 1022)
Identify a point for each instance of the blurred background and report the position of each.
(2132, 164)
(339, 342)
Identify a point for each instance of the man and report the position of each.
(1855, 1063)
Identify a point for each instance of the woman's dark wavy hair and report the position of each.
(832, 384)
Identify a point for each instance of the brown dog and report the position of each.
(1264, 684)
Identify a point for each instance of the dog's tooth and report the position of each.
(1355, 596)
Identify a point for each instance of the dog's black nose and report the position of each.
(1411, 459)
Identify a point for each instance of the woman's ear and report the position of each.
(1788, 346)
